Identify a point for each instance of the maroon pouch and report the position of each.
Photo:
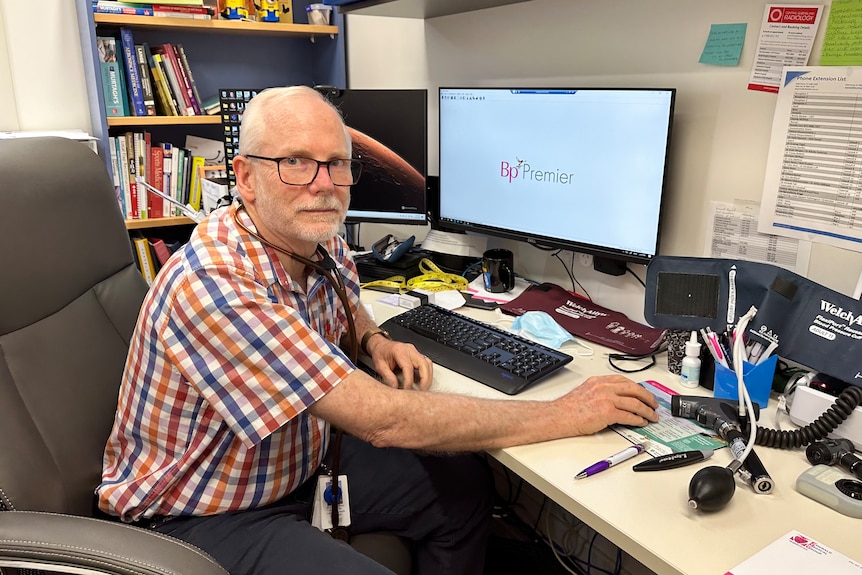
(585, 319)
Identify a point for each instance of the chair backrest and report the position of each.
(70, 294)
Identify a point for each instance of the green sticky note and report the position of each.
(842, 44)
(724, 44)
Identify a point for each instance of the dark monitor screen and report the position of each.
(581, 169)
(389, 129)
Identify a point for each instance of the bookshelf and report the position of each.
(221, 54)
(239, 27)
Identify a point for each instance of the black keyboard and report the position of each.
(495, 357)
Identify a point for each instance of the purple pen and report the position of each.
(623, 455)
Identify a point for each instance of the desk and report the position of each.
(647, 514)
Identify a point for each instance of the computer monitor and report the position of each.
(389, 129)
(577, 168)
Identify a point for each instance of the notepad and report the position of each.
(796, 554)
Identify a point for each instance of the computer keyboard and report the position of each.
(492, 356)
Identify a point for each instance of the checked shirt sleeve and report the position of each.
(256, 362)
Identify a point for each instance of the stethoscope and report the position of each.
(325, 267)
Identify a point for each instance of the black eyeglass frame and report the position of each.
(355, 168)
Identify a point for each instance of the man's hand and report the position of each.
(393, 358)
(604, 400)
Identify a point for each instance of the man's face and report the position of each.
(300, 216)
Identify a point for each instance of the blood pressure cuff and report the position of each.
(812, 324)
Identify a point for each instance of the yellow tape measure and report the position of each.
(431, 279)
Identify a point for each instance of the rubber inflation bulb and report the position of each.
(711, 488)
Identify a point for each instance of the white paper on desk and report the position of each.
(477, 290)
(455, 244)
(795, 554)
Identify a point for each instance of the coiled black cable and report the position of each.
(818, 429)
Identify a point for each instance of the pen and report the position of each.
(673, 460)
(623, 455)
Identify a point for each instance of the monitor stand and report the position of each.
(351, 234)
(609, 266)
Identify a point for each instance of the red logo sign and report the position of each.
(792, 15)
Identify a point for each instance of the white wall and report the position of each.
(721, 130)
(42, 84)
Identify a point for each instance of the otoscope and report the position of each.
(712, 487)
(835, 451)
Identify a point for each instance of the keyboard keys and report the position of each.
(494, 357)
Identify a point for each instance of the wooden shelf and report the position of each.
(220, 26)
(158, 222)
(420, 8)
(163, 120)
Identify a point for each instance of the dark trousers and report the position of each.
(441, 503)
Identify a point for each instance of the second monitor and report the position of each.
(389, 129)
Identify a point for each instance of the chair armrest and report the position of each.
(52, 542)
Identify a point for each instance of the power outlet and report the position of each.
(586, 260)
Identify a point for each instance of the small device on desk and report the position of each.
(492, 356)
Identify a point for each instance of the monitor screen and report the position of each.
(389, 129)
(581, 169)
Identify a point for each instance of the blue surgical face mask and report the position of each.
(542, 328)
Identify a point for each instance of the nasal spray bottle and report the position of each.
(690, 372)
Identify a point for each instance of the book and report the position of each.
(197, 163)
(133, 77)
(185, 81)
(123, 163)
(145, 260)
(164, 98)
(108, 7)
(115, 172)
(167, 171)
(161, 250)
(193, 16)
(146, 80)
(173, 2)
(112, 86)
(177, 9)
(132, 172)
(165, 53)
(157, 180)
(184, 61)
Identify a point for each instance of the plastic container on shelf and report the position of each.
(319, 14)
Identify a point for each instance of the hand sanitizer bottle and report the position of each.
(690, 373)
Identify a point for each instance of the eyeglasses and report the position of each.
(299, 171)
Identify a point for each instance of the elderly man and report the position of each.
(236, 372)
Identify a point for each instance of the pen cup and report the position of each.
(757, 379)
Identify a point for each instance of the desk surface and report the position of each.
(647, 514)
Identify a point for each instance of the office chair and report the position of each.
(69, 298)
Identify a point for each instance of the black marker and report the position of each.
(673, 460)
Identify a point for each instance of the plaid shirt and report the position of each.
(228, 353)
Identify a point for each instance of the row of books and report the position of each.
(173, 170)
(199, 11)
(144, 80)
(151, 254)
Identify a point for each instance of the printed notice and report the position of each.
(732, 234)
(813, 184)
(786, 37)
